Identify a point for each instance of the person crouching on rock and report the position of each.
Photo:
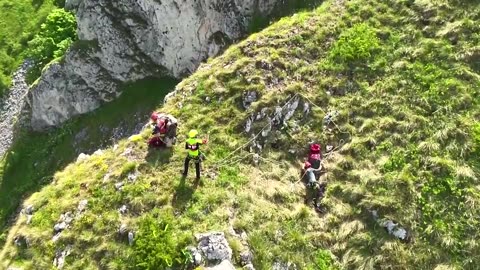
(160, 129)
(193, 146)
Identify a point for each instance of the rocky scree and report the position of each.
(12, 105)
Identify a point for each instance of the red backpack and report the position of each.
(315, 155)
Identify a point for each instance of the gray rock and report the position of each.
(248, 125)
(261, 114)
(244, 236)
(306, 108)
(12, 105)
(395, 229)
(82, 157)
(256, 159)
(283, 266)
(123, 229)
(132, 176)
(130, 238)
(329, 148)
(249, 267)
(82, 205)
(246, 257)
(248, 98)
(106, 177)
(60, 256)
(128, 153)
(29, 219)
(214, 246)
(99, 152)
(118, 186)
(29, 210)
(67, 218)
(128, 40)
(56, 237)
(196, 256)
(289, 110)
(123, 209)
(224, 265)
(60, 227)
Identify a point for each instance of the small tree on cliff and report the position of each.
(55, 37)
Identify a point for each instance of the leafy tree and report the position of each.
(55, 37)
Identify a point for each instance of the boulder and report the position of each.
(214, 247)
(224, 265)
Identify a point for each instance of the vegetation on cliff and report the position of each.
(403, 77)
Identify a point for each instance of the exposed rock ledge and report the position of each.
(127, 40)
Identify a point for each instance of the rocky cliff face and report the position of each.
(126, 40)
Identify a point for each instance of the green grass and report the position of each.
(27, 166)
(404, 79)
(20, 21)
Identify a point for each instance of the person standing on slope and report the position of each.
(193, 147)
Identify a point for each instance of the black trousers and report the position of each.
(197, 165)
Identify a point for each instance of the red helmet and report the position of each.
(154, 116)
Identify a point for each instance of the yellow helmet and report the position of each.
(193, 133)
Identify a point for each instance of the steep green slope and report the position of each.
(35, 157)
(404, 78)
(20, 21)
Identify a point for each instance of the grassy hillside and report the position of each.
(35, 157)
(21, 20)
(404, 78)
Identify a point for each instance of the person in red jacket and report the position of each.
(313, 165)
(164, 130)
(312, 168)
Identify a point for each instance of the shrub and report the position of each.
(156, 245)
(322, 260)
(55, 37)
(355, 46)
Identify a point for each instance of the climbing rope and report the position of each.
(254, 137)
(229, 160)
